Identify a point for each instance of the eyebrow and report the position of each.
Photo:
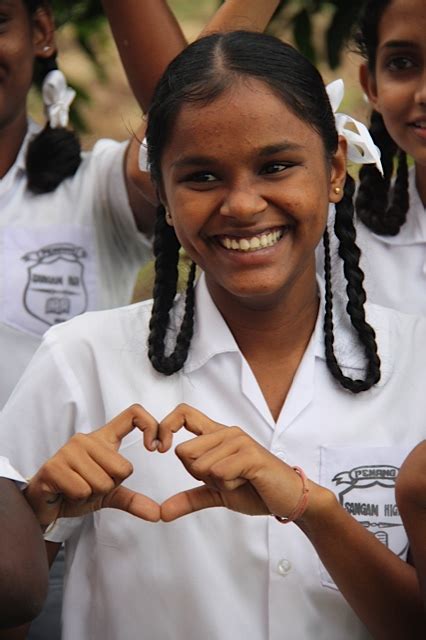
(269, 150)
(399, 44)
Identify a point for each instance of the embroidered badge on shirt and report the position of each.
(55, 289)
(46, 281)
(364, 479)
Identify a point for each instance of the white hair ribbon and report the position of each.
(57, 98)
(143, 156)
(361, 148)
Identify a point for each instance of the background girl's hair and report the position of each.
(381, 207)
(202, 72)
(53, 154)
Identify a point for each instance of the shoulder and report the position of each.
(401, 337)
(95, 331)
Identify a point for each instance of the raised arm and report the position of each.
(250, 15)
(23, 561)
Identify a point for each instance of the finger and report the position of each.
(201, 454)
(184, 416)
(99, 465)
(135, 503)
(190, 501)
(133, 417)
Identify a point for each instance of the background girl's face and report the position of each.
(248, 186)
(22, 38)
(397, 89)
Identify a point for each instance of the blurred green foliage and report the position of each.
(297, 17)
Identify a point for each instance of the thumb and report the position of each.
(132, 502)
(181, 504)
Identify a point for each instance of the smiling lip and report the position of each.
(251, 242)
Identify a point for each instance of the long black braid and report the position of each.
(381, 208)
(350, 254)
(166, 251)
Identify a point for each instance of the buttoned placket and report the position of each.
(283, 598)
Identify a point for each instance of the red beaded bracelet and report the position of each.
(300, 507)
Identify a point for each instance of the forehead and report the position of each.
(403, 20)
(247, 116)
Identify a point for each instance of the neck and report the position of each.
(421, 182)
(12, 136)
(277, 330)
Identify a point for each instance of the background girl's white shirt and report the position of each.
(63, 253)
(217, 574)
(394, 266)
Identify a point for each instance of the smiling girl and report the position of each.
(244, 151)
(392, 207)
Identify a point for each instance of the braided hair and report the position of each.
(53, 154)
(203, 71)
(381, 207)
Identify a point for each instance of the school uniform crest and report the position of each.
(55, 290)
(367, 492)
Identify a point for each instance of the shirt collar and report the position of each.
(413, 231)
(347, 348)
(212, 335)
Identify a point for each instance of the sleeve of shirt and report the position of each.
(107, 161)
(7, 471)
(45, 409)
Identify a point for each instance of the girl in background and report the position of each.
(392, 235)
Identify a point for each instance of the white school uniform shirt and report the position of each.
(216, 574)
(394, 266)
(63, 253)
(7, 471)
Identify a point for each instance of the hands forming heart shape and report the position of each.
(237, 472)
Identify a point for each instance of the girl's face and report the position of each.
(22, 38)
(397, 89)
(248, 186)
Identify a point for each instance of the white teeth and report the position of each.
(420, 125)
(254, 243)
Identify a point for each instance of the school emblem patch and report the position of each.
(55, 290)
(367, 493)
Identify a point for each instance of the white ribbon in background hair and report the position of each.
(361, 148)
(57, 98)
(143, 156)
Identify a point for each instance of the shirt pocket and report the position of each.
(363, 479)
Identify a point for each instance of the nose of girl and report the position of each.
(420, 96)
(243, 203)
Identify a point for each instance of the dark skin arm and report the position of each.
(411, 500)
(23, 562)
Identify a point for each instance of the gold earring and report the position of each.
(337, 190)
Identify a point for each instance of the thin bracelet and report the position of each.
(300, 507)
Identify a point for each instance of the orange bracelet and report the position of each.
(300, 507)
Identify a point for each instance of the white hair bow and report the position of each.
(57, 98)
(361, 148)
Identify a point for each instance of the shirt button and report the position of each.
(284, 567)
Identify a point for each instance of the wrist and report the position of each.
(321, 508)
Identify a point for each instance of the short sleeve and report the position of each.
(44, 411)
(108, 162)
